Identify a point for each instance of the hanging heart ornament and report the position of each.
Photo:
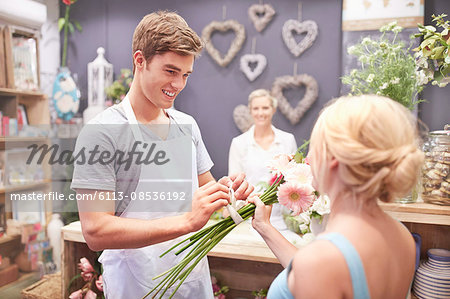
(311, 29)
(285, 82)
(242, 118)
(261, 63)
(261, 15)
(236, 44)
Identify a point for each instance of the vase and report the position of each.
(65, 96)
(432, 279)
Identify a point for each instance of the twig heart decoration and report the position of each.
(261, 15)
(242, 118)
(261, 63)
(236, 44)
(285, 82)
(311, 29)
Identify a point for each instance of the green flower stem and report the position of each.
(204, 241)
(208, 249)
(66, 33)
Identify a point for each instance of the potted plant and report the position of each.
(386, 68)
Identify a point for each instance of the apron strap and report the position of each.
(129, 113)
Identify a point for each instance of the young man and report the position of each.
(140, 222)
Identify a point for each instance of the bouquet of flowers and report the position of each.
(291, 187)
(433, 54)
(387, 68)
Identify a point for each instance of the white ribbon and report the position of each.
(232, 208)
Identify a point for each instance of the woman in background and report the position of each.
(251, 151)
(363, 149)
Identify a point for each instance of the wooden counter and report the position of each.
(234, 260)
(244, 262)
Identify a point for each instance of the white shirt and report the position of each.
(249, 157)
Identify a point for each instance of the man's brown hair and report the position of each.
(164, 31)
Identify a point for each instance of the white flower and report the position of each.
(304, 228)
(396, 80)
(353, 72)
(366, 41)
(397, 29)
(304, 217)
(279, 164)
(370, 78)
(364, 59)
(384, 86)
(321, 205)
(351, 50)
(298, 173)
(442, 84)
(422, 78)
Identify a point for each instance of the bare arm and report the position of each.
(280, 246)
(103, 230)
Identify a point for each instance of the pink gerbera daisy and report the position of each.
(297, 197)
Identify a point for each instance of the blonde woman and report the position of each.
(363, 149)
(250, 151)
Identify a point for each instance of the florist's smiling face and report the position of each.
(262, 111)
(165, 76)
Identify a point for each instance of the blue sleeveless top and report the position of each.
(279, 288)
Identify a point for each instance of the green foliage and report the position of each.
(387, 68)
(121, 86)
(433, 54)
(301, 152)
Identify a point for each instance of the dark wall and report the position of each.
(213, 91)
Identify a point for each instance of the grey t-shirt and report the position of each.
(110, 132)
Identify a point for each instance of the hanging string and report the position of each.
(224, 12)
(253, 45)
(299, 11)
(295, 69)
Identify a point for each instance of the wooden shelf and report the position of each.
(5, 238)
(16, 188)
(14, 92)
(418, 212)
(14, 139)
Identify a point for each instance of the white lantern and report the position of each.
(100, 76)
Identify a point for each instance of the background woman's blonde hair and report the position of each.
(164, 31)
(262, 93)
(375, 141)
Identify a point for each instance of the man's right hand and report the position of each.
(207, 199)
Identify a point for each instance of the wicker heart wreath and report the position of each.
(261, 63)
(311, 29)
(286, 82)
(236, 44)
(242, 118)
(261, 15)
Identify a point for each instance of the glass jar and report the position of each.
(436, 169)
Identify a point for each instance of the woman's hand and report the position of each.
(261, 219)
